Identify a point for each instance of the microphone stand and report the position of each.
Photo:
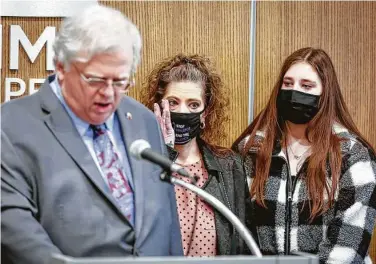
(243, 231)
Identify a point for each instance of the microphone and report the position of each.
(141, 149)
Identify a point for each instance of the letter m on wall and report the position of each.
(17, 37)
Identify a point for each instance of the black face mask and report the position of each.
(297, 107)
(186, 126)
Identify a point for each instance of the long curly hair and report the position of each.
(198, 69)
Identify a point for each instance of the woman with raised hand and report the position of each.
(187, 96)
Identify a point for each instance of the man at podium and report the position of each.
(68, 183)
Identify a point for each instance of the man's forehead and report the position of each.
(118, 63)
(109, 57)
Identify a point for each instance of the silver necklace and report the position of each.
(298, 157)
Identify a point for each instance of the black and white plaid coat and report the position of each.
(342, 234)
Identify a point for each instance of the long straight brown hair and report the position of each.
(325, 144)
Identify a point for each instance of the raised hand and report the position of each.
(164, 121)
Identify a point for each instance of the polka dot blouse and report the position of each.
(197, 223)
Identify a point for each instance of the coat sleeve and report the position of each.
(23, 239)
(349, 233)
(240, 196)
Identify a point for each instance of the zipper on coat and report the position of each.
(290, 188)
(288, 215)
(289, 193)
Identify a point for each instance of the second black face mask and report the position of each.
(297, 107)
(186, 126)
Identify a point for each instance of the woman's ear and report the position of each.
(203, 116)
(202, 120)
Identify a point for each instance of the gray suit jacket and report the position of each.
(54, 200)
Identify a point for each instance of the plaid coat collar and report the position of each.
(339, 130)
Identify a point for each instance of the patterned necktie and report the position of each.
(113, 171)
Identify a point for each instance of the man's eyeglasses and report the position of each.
(98, 83)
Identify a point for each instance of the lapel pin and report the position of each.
(129, 116)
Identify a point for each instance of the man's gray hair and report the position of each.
(97, 29)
